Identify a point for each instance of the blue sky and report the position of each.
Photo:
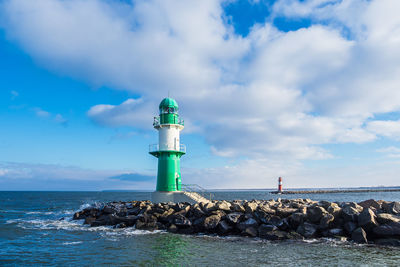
(307, 90)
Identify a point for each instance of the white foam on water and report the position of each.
(72, 243)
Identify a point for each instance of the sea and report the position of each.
(36, 228)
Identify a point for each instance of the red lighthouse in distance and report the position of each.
(280, 185)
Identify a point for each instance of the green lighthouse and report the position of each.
(169, 150)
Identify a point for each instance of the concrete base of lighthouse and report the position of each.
(176, 197)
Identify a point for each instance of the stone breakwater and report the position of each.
(369, 221)
(287, 192)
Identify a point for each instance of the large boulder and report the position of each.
(182, 221)
(223, 205)
(235, 206)
(314, 214)
(209, 207)
(285, 212)
(370, 203)
(263, 229)
(250, 207)
(266, 209)
(326, 221)
(359, 235)
(250, 231)
(307, 230)
(129, 220)
(350, 213)
(334, 209)
(234, 217)
(387, 230)
(224, 227)
(196, 211)
(367, 219)
(246, 224)
(211, 222)
(274, 235)
(349, 227)
(387, 218)
(296, 219)
(391, 207)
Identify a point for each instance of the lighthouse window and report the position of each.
(171, 110)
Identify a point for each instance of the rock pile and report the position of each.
(369, 221)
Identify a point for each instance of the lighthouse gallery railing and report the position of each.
(156, 121)
(156, 148)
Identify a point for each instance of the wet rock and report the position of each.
(197, 211)
(326, 221)
(387, 218)
(234, 217)
(263, 229)
(350, 214)
(274, 220)
(182, 221)
(133, 211)
(334, 209)
(237, 207)
(211, 222)
(336, 232)
(224, 227)
(387, 242)
(367, 219)
(89, 220)
(285, 212)
(314, 214)
(246, 224)
(250, 231)
(349, 227)
(209, 207)
(143, 225)
(266, 209)
(387, 230)
(296, 219)
(370, 203)
(129, 220)
(274, 235)
(359, 235)
(172, 228)
(106, 219)
(391, 207)
(120, 225)
(109, 210)
(307, 230)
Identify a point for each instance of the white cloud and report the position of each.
(390, 129)
(391, 151)
(132, 112)
(271, 94)
(57, 118)
(41, 113)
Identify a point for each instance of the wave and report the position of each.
(73, 243)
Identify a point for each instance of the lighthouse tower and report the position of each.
(169, 150)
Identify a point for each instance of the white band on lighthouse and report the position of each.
(169, 137)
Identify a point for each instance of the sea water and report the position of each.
(36, 228)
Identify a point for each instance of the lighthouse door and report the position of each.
(178, 181)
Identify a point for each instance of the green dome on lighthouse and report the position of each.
(168, 103)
